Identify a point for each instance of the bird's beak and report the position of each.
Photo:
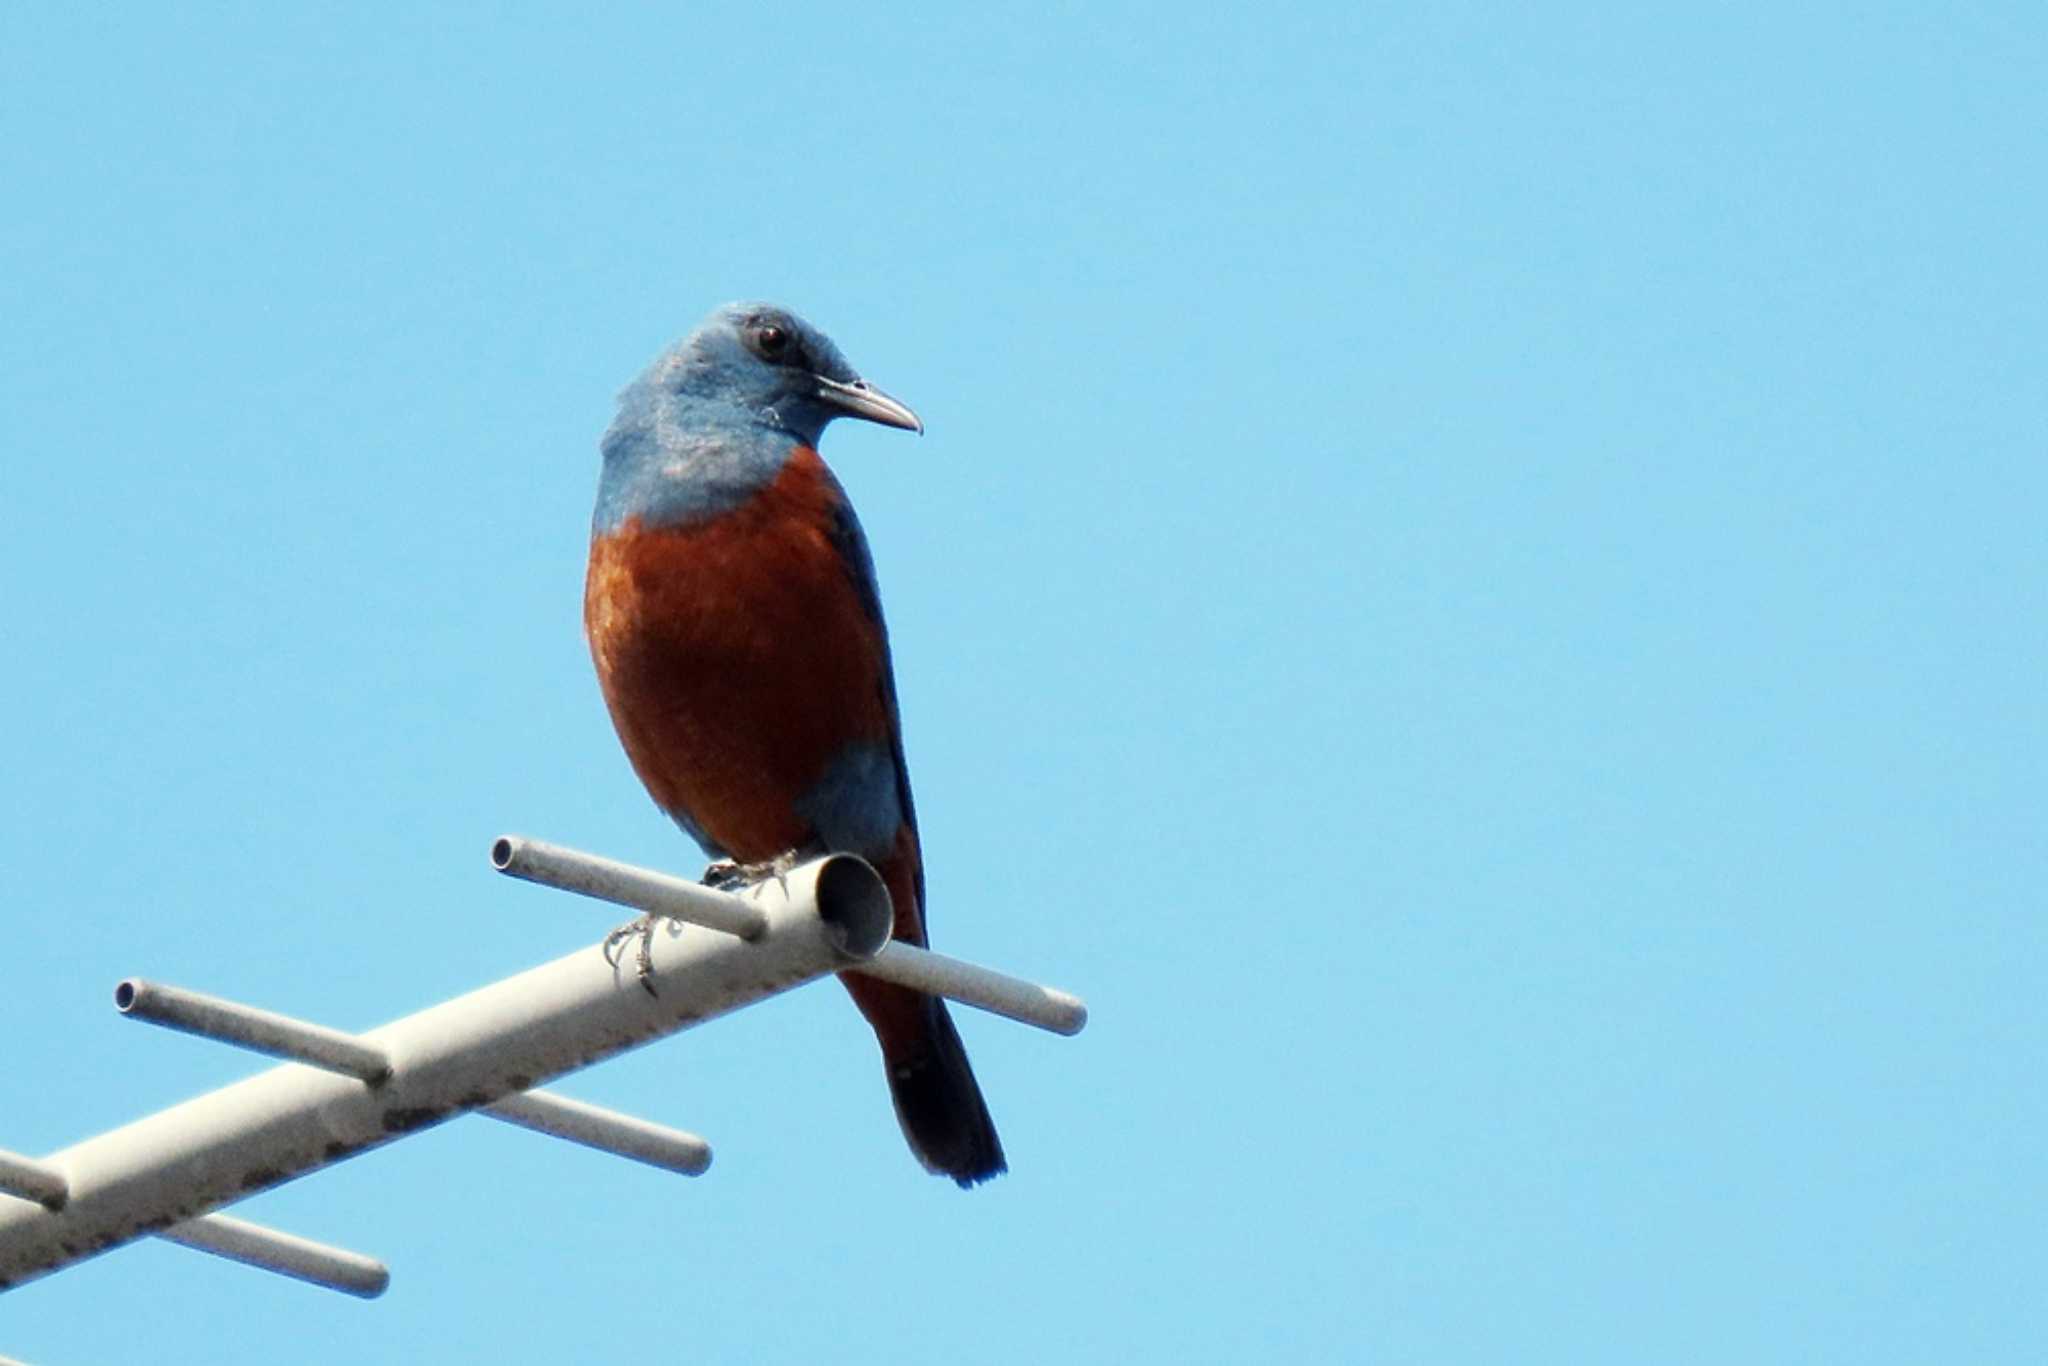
(859, 398)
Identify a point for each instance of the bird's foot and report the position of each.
(614, 949)
(729, 876)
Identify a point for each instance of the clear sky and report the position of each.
(1475, 585)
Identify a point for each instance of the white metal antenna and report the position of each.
(341, 1094)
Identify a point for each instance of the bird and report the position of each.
(736, 627)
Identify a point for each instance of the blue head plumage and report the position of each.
(718, 413)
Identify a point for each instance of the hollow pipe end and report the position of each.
(854, 904)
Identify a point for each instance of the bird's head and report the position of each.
(773, 365)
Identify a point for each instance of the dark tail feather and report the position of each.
(938, 1101)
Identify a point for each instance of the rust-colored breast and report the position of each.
(737, 658)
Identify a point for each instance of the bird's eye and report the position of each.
(771, 340)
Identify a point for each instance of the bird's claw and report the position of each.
(643, 958)
(728, 875)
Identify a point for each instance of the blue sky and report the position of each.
(1475, 585)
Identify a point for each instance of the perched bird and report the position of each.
(734, 620)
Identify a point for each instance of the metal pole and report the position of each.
(623, 884)
(643, 889)
(1013, 998)
(451, 1058)
(608, 1131)
(32, 1180)
(265, 1031)
(286, 1254)
(211, 1017)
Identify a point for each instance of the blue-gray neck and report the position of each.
(671, 468)
(688, 444)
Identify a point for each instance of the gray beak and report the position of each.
(862, 399)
